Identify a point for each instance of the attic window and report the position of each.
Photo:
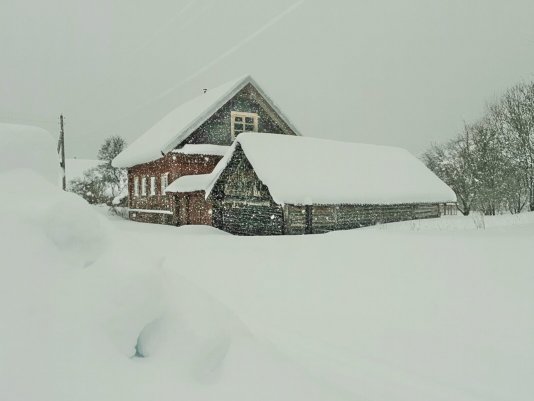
(243, 122)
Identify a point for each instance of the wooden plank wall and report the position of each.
(244, 206)
(252, 219)
(343, 217)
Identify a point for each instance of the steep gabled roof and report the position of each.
(304, 171)
(181, 122)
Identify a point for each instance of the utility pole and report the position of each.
(61, 152)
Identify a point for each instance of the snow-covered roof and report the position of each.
(181, 122)
(299, 170)
(190, 183)
(203, 149)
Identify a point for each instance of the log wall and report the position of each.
(244, 206)
(217, 129)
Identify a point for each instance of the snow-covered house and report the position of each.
(278, 184)
(231, 159)
(189, 141)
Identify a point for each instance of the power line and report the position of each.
(215, 61)
(138, 49)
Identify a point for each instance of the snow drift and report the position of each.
(101, 309)
(89, 313)
(29, 147)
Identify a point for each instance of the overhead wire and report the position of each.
(215, 61)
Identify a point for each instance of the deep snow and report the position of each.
(98, 308)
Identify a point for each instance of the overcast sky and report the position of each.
(394, 72)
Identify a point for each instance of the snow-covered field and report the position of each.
(98, 308)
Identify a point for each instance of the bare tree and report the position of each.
(114, 178)
(103, 183)
(490, 165)
(517, 113)
(452, 163)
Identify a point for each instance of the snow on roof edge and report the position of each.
(126, 160)
(275, 107)
(240, 83)
(219, 168)
(236, 86)
(189, 183)
(203, 149)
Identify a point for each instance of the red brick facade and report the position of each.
(163, 208)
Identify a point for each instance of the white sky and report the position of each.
(404, 73)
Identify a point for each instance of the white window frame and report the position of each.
(243, 115)
(164, 182)
(143, 186)
(152, 186)
(136, 186)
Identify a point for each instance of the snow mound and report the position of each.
(192, 229)
(28, 147)
(67, 220)
(124, 327)
(195, 332)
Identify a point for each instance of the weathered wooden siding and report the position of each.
(295, 219)
(244, 206)
(252, 219)
(217, 129)
(343, 217)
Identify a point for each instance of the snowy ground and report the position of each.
(435, 310)
(98, 308)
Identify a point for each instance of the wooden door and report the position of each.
(198, 210)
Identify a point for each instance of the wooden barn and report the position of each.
(190, 141)
(276, 184)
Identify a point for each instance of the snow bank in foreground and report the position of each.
(97, 311)
(89, 313)
(383, 315)
(28, 147)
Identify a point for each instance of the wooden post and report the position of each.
(61, 152)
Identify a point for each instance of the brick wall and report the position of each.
(176, 165)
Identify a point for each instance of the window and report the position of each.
(243, 122)
(136, 186)
(143, 186)
(164, 182)
(152, 186)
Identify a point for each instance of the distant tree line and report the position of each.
(104, 183)
(490, 165)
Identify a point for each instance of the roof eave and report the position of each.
(185, 133)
